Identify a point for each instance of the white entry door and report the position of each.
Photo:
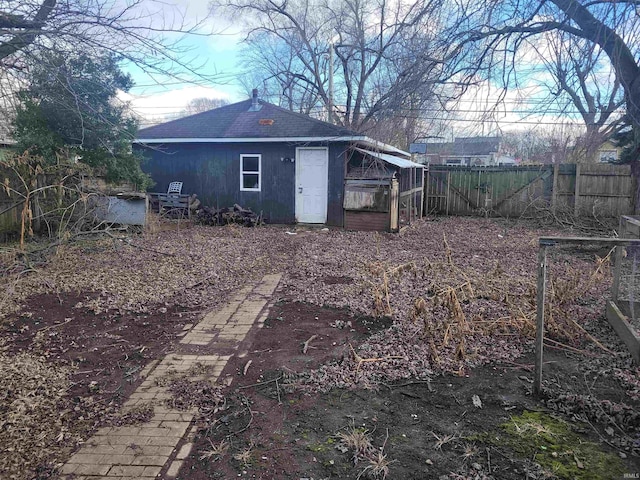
(312, 175)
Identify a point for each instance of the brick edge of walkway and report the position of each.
(143, 451)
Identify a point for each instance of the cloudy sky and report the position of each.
(215, 53)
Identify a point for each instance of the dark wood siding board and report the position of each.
(212, 171)
(337, 171)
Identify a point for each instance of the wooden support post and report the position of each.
(617, 266)
(422, 196)
(542, 283)
(554, 191)
(448, 189)
(576, 195)
(426, 187)
(617, 269)
(478, 187)
(414, 207)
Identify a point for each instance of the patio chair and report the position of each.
(174, 204)
(174, 187)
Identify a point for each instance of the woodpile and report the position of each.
(228, 215)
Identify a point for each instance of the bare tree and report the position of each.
(138, 31)
(490, 31)
(542, 145)
(144, 35)
(203, 104)
(580, 84)
(381, 53)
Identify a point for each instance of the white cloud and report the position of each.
(162, 106)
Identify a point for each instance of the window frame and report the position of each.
(250, 172)
(609, 155)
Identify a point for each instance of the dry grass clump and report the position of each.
(216, 452)
(245, 456)
(358, 442)
(450, 317)
(380, 289)
(32, 409)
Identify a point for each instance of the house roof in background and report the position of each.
(240, 120)
(418, 148)
(461, 146)
(244, 123)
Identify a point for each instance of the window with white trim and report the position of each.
(250, 172)
(608, 156)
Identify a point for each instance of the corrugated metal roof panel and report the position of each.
(391, 159)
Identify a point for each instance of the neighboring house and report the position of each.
(287, 166)
(463, 151)
(608, 152)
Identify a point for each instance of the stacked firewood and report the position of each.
(228, 215)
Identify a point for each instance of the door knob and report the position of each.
(299, 189)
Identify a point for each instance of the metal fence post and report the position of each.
(542, 283)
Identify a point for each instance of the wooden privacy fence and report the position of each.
(593, 189)
(10, 218)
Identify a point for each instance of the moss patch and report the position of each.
(558, 449)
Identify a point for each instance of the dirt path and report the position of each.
(163, 442)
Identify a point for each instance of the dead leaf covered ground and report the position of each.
(460, 292)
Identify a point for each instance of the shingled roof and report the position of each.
(248, 119)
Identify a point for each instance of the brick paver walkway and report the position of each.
(141, 451)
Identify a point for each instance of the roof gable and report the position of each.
(239, 120)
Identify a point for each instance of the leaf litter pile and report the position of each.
(461, 292)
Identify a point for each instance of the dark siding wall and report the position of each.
(337, 172)
(212, 171)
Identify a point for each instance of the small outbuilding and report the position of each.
(382, 192)
(285, 165)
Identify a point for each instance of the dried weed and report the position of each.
(217, 451)
(358, 440)
(245, 457)
(443, 440)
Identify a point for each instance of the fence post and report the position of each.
(554, 188)
(422, 195)
(576, 195)
(478, 187)
(542, 283)
(617, 267)
(448, 189)
(425, 199)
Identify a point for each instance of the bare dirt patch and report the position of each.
(269, 428)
